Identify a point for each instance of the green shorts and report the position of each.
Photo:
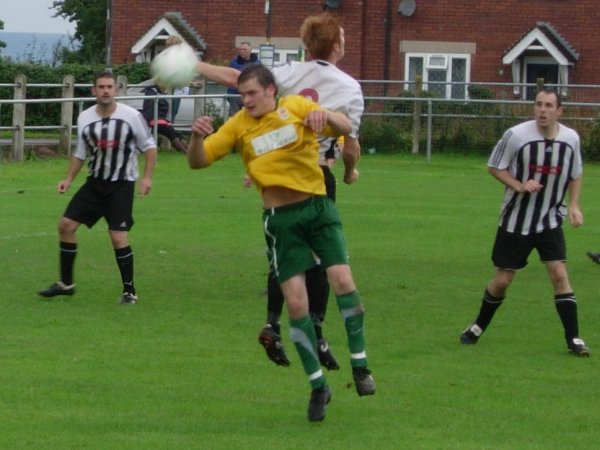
(296, 233)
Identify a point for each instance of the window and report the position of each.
(444, 75)
(283, 56)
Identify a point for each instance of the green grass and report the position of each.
(183, 369)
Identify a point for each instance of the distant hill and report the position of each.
(36, 47)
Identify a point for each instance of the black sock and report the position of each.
(68, 252)
(566, 306)
(317, 320)
(275, 302)
(489, 305)
(124, 258)
(317, 287)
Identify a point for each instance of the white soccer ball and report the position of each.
(174, 67)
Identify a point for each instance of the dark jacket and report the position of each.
(148, 106)
(239, 63)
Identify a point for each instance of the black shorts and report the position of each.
(330, 182)
(511, 250)
(112, 200)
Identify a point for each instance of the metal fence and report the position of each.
(395, 118)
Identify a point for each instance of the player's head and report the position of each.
(256, 84)
(323, 37)
(547, 108)
(550, 91)
(105, 74)
(105, 87)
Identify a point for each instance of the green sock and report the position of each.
(353, 314)
(302, 333)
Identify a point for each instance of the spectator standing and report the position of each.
(245, 56)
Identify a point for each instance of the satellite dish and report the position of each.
(407, 7)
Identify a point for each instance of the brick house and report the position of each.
(512, 41)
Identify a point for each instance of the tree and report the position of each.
(90, 29)
(2, 43)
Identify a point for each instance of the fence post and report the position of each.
(416, 128)
(122, 85)
(18, 139)
(199, 87)
(66, 115)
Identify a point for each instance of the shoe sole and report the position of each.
(362, 393)
(269, 345)
(328, 363)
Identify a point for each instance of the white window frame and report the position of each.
(431, 65)
(428, 65)
(281, 55)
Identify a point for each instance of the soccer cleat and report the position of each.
(594, 257)
(128, 299)
(363, 381)
(326, 358)
(471, 335)
(578, 347)
(271, 341)
(58, 288)
(319, 398)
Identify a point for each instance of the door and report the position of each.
(549, 72)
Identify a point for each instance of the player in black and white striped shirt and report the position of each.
(539, 162)
(110, 137)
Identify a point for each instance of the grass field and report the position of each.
(183, 369)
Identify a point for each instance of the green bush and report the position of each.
(41, 114)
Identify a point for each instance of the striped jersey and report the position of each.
(326, 85)
(553, 163)
(277, 149)
(112, 144)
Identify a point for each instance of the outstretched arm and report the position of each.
(227, 76)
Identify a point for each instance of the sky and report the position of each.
(33, 16)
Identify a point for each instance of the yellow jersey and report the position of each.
(277, 149)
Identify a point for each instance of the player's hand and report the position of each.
(145, 186)
(351, 177)
(63, 186)
(532, 186)
(575, 217)
(316, 120)
(248, 181)
(202, 126)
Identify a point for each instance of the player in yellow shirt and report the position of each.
(278, 143)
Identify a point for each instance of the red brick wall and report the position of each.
(494, 25)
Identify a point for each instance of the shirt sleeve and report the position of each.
(503, 152)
